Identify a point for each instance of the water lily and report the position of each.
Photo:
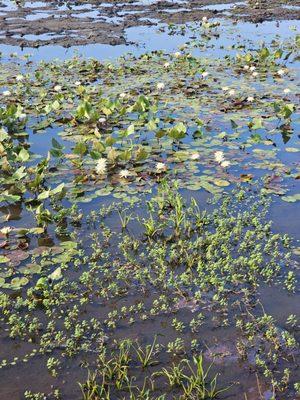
(102, 120)
(204, 19)
(124, 173)
(122, 95)
(101, 167)
(195, 156)
(250, 99)
(255, 74)
(160, 86)
(204, 74)
(77, 83)
(246, 67)
(6, 230)
(225, 88)
(6, 93)
(57, 88)
(160, 167)
(231, 92)
(287, 90)
(281, 72)
(225, 164)
(166, 65)
(219, 156)
(177, 54)
(20, 78)
(252, 68)
(22, 116)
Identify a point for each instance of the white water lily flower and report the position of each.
(101, 167)
(250, 99)
(225, 88)
(122, 95)
(231, 92)
(252, 68)
(57, 88)
(6, 93)
(225, 164)
(102, 120)
(255, 74)
(166, 65)
(22, 116)
(204, 74)
(281, 72)
(287, 90)
(124, 173)
(195, 156)
(160, 86)
(160, 167)
(204, 19)
(6, 230)
(219, 156)
(77, 83)
(20, 78)
(246, 67)
(177, 54)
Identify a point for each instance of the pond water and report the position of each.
(148, 190)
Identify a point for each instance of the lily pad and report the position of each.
(292, 198)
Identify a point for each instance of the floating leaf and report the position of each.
(23, 155)
(220, 182)
(30, 269)
(56, 274)
(17, 282)
(256, 123)
(292, 198)
(4, 260)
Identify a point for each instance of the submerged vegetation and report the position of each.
(197, 268)
(138, 257)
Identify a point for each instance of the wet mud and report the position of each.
(35, 23)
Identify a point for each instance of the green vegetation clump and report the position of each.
(192, 266)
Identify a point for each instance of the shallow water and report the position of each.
(14, 380)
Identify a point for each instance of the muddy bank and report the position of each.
(35, 23)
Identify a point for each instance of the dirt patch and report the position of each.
(35, 23)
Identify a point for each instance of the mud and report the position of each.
(36, 23)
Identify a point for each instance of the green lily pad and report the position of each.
(30, 269)
(4, 260)
(292, 198)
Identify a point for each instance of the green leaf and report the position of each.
(18, 282)
(130, 130)
(4, 260)
(292, 198)
(9, 198)
(56, 274)
(264, 53)
(141, 154)
(256, 123)
(44, 195)
(234, 125)
(178, 131)
(56, 145)
(19, 174)
(80, 149)
(58, 189)
(23, 155)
